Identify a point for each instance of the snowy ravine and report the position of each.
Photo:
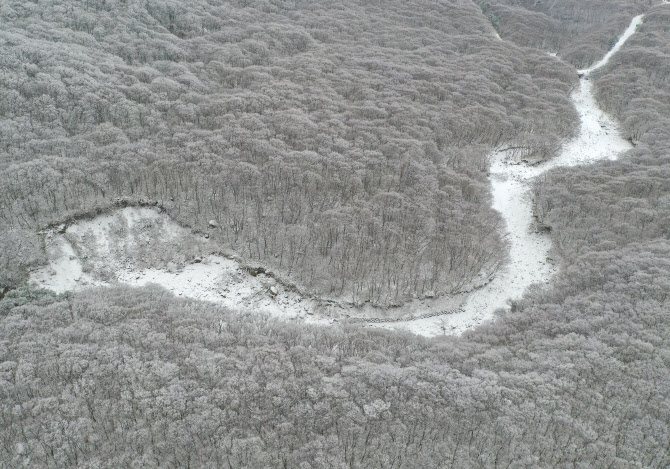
(136, 246)
(598, 139)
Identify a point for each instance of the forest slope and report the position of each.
(630, 197)
(574, 376)
(125, 378)
(343, 143)
(580, 31)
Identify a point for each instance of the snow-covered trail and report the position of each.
(598, 139)
(137, 246)
(624, 37)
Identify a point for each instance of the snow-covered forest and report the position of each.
(343, 143)
(362, 153)
(580, 31)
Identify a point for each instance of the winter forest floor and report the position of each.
(137, 246)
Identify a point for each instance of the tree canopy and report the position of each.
(343, 144)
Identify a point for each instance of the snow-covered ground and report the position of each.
(138, 246)
(624, 37)
(598, 139)
(64, 271)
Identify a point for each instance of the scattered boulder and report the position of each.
(543, 228)
(60, 229)
(197, 260)
(255, 271)
(206, 235)
(213, 224)
(273, 290)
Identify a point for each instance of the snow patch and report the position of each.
(140, 246)
(65, 271)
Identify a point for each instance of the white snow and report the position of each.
(624, 37)
(140, 246)
(221, 280)
(137, 246)
(111, 246)
(598, 139)
(64, 271)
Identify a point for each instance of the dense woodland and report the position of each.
(342, 144)
(135, 378)
(580, 31)
(576, 376)
(628, 200)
